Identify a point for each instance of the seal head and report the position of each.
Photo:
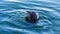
(32, 17)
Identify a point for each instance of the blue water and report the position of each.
(12, 16)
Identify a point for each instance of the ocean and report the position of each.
(13, 13)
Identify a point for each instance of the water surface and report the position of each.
(12, 16)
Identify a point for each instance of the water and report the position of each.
(13, 13)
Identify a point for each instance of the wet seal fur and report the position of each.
(32, 17)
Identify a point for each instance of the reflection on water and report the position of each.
(12, 13)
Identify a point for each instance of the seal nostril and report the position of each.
(32, 17)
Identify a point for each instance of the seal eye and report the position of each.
(32, 17)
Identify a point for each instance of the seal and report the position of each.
(32, 17)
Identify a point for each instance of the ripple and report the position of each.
(12, 13)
